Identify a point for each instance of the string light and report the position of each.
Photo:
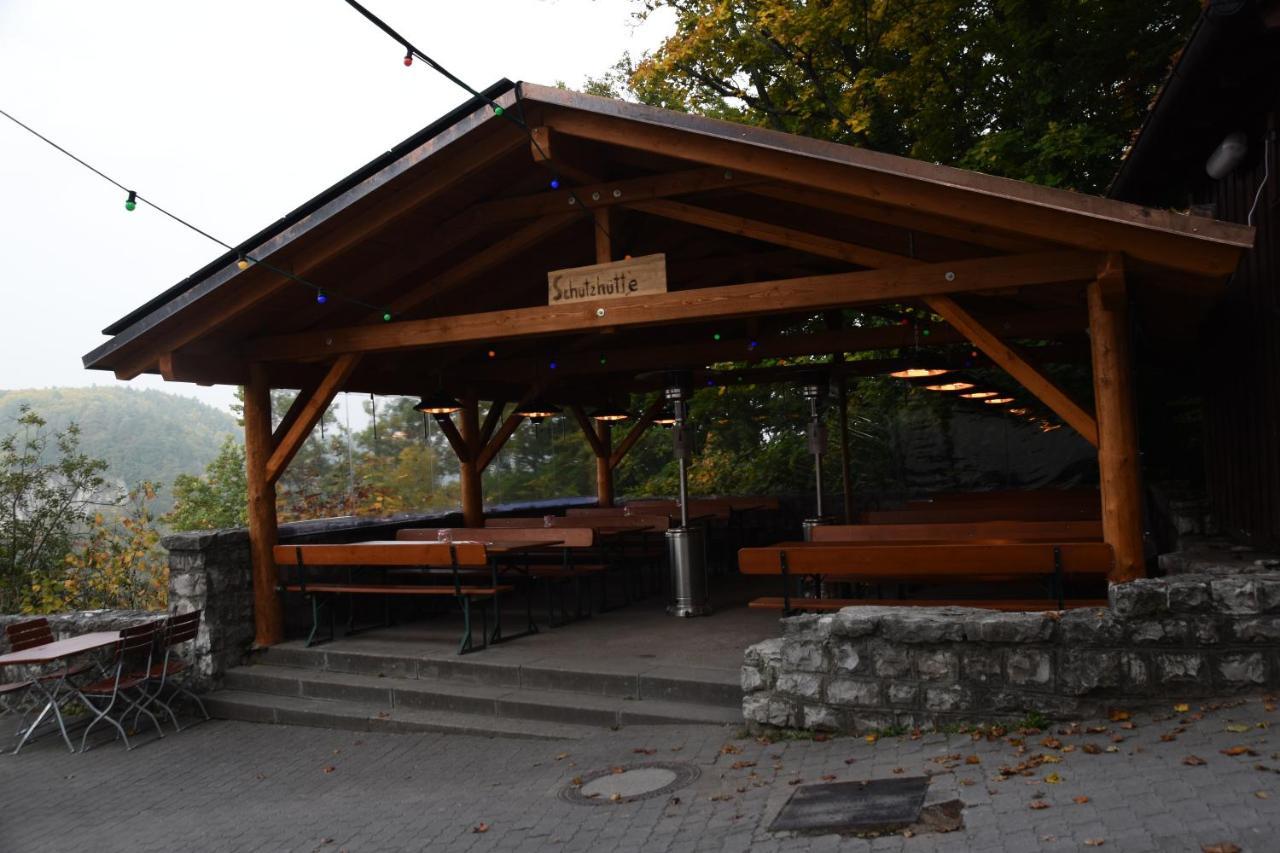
(753, 345)
(493, 353)
(716, 336)
(386, 317)
(553, 365)
(321, 298)
(604, 360)
(408, 58)
(132, 201)
(242, 262)
(555, 184)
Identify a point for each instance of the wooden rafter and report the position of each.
(1016, 366)
(637, 430)
(589, 431)
(770, 233)
(500, 252)
(491, 420)
(494, 444)
(295, 411)
(451, 434)
(290, 442)
(741, 300)
(260, 284)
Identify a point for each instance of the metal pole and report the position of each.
(816, 425)
(680, 414)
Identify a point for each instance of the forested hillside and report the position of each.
(142, 435)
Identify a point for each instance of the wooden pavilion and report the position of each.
(451, 235)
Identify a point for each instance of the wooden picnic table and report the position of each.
(53, 689)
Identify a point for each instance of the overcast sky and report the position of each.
(230, 114)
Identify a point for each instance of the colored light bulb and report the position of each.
(554, 365)
(604, 360)
(716, 336)
(242, 262)
(493, 354)
(753, 345)
(321, 298)
(132, 201)
(386, 317)
(497, 110)
(555, 185)
(408, 59)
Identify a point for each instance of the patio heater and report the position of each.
(685, 548)
(816, 394)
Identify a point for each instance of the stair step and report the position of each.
(697, 685)
(358, 716)
(448, 695)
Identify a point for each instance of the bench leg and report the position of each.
(316, 605)
(465, 644)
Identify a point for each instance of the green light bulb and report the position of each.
(604, 360)
(716, 336)
(497, 110)
(130, 205)
(386, 317)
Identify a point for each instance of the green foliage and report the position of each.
(143, 436)
(1047, 92)
(117, 565)
(217, 500)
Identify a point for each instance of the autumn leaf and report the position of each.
(738, 765)
(480, 827)
(615, 797)
(1194, 761)
(1080, 800)
(730, 749)
(1182, 707)
(1039, 804)
(1117, 715)
(830, 777)
(1053, 778)
(1238, 728)
(1091, 749)
(562, 756)
(850, 760)
(1237, 750)
(1051, 743)
(1094, 842)
(329, 768)
(640, 750)
(577, 780)
(1223, 847)
(973, 759)
(872, 738)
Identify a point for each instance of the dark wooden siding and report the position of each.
(1241, 356)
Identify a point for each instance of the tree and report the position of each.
(47, 491)
(217, 500)
(118, 564)
(1046, 91)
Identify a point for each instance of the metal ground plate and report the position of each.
(870, 806)
(629, 783)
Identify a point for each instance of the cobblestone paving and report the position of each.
(224, 786)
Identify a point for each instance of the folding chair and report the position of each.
(17, 697)
(174, 672)
(132, 668)
(36, 632)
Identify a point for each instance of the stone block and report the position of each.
(1235, 595)
(812, 626)
(764, 653)
(803, 684)
(1242, 670)
(1029, 667)
(921, 625)
(1187, 595)
(766, 710)
(1167, 632)
(937, 666)
(949, 700)
(1256, 629)
(1099, 627)
(1137, 672)
(891, 661)
(847, 691)
(862, 722)
(803, 655)
(1269, 594)
(903, 694)
(850, 658)
(1179, 667)
(1139, 598)
(753, 679)
(983, 666)
(1011, 628)
(1081, 671)
(855, 622)
(1203, 631)
(820, 718)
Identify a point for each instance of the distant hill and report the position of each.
(142, 434)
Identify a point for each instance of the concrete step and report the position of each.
(360, 716)
(448, 695)
(696, 685)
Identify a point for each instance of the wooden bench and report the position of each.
(568, 545)
(1018, 605)
(963, 562)
(989, 531)
(467, 566)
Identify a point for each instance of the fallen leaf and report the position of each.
(1096, 730)
(1051, 759)
(640, 750)
(973, 759)
(1269, 706)
(1053, 778)
(1237, 750)
(850, 760)
(1262, 795)
(616, 770)
(562, 756)
(1069, 748)
(738, 765)
(830, 777)
(1080, 800)
(899, 770)
(577, 780)
(730, 749)
(1094, 842)
(1182, 707)
(1238, 728)
(872, 738)
(820, 737)
(1116, 715)
(1167, 737)
(1039, 804)
(794, 781)
(480, 827)
(1051, 743)
(1128, 725)
(329, 768)
(1113, 748)
(1194, 761)
(615, 797)
(967, 782)
(1091, 749)
(1223, 847)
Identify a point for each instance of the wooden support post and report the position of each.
(268, 615)
(604, 471)
(472, 493)
(1117, 429)
(846, 470)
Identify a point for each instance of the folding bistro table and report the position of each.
(54, 688)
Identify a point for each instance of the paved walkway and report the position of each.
(224, 786)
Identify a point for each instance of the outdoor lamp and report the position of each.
(919, 372)
(536, 409)
(438, 403)
(666, 419)
(998, 401)
(955, 385)
(979, 395)
(609, 414)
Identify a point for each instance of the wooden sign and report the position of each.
(615, 280)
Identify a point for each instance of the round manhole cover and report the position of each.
(629, 782)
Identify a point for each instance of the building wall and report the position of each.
(1241, 359)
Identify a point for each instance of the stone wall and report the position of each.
(879, 667)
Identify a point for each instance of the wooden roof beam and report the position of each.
(317, 403)
(810, 293)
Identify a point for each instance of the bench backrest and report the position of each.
(1019, 531)
(596, 510)
(568, 537)
(1013, 496)
(658, 522)
(384, 553)
(927, 561)
(959, 513)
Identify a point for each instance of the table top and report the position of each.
(497, 548)
(59, 649)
